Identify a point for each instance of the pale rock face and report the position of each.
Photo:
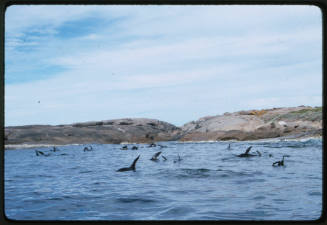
(282, 123)
(256, 124)
(231, 122)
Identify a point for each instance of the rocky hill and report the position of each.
(292, 122)
(108, 131)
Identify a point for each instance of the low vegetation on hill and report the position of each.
(291, 122)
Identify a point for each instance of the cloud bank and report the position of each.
(173, 63)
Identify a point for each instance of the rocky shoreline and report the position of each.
(283, 123)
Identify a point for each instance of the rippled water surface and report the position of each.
(209, 183)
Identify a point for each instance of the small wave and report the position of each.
(279, 200)
(193, 173)
(204, 173)
(34, 201)
(45, 175)
(9, 180)
(87, 171)
(259, 197)
(196, 171)
(315, 193)
(26, 176)
(294, 144)
(55, 198)
(75, 167)
(247, 181)
(97, 183)
(177, 211)
(136, 200)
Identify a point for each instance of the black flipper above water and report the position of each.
(54, 149)
(246, 153)
(279, 163)
(164, 157)
(248, 150)
(155, 156)
(259, 153)
(178, 160)
(132, 167)
(37, 153)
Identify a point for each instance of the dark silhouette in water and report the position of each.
(88, 149)
(279, 163)
(270, 155)
(38, 153)
(54, 149)
(124, 147)
(178, 160)
(132, 167)
(246, 153)
(134, 148)
(162, 146)
(155, 156)
(152, 145)
(259, 153)
(164, 157)
(228, 148)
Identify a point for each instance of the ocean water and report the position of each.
(209, 183)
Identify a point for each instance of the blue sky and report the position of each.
(173, 63)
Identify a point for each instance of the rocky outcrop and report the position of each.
(292, 122)
(108, 131)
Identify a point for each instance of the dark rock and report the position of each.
(125, 123)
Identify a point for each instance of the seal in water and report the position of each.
(279, 163)
(134, 148)
(88, 149)
(132, 167)
(38, 153)
(124, 147)
(155, 156)
(152, 145)
(178, 160)
(54, 149)
(246, 153)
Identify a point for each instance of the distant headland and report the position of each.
(287, 122)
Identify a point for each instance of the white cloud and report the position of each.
(160, 63)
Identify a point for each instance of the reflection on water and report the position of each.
(209, 183)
